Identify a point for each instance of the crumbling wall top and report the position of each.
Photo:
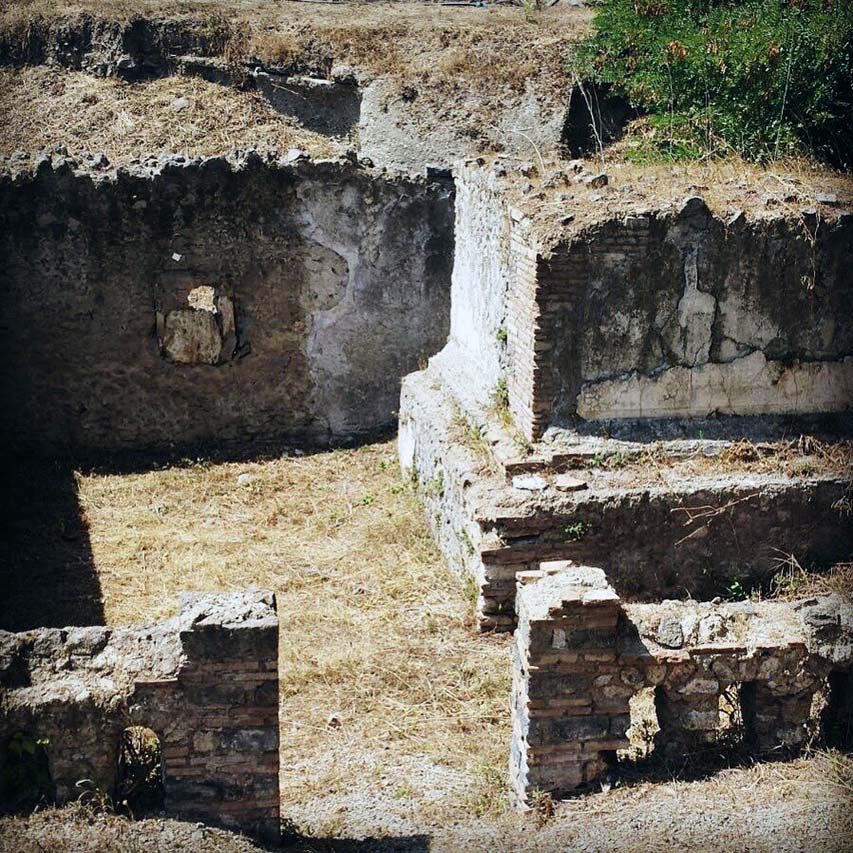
(557, 201)
(103, 663)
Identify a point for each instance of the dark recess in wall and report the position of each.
(594, 118)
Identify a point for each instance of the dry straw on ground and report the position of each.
(416, 40)
(378, 644)
(43, 107)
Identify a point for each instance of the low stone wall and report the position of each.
(662, 535)
(205, 682)
(580, 655)
(215, 301)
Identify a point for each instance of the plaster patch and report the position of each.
(695, 315)
(747, 386)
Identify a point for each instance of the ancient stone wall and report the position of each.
(684, 315)
(580, 656)
(656, 534)
(205, 682)
(215, 300)
(665, 315)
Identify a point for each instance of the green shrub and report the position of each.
(765, 78)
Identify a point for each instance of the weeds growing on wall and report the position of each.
(763, 78)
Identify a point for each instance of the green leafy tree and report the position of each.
(764, 78)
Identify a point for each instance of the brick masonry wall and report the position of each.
(580, 655)
(206, 683)
(747, 309)
(220, 733)
(564, 724)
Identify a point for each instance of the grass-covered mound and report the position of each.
(763, 78)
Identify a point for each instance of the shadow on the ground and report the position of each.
(295, 843)
(696, 766)
(47, 573)
(140, 461)
(48, 577)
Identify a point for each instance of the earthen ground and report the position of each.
(128, 121)
(437, 54)
(394, 712)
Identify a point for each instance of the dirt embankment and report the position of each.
(423, 84)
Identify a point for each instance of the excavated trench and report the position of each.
(241, 299)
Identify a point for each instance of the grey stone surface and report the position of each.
(329, 283)
(670, 634)
(580, 655)
(688, 316)
(829, 627)
(395, 129)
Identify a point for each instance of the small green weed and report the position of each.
(500, 403)
(25, 774)
(576, 531)
(434, 487)
(736, 591)
(471, 590)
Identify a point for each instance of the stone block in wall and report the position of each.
(201, 333)
(240, 627)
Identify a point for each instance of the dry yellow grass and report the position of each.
(43, 107)
(729, 186)
(394, 711)
(803, 457)
(375, 629)
(415, 39)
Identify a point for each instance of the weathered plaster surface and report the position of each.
(680, 315)
(329, 282)
(750, 385)
(475, 354)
